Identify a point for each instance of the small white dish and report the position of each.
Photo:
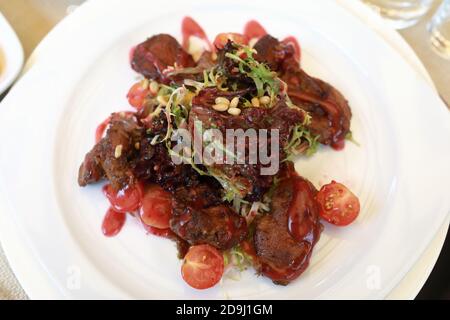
(11, 55)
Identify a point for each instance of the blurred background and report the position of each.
(424, 24)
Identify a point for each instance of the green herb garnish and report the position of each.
(265, 79)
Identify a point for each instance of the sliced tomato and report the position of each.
(156, 208)
(125, 200)
(202, 267)
(138, 93)
(338, 205)
(254, 30)
(292, 41)
(222, 39)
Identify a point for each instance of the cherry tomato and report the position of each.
(254, 30)
(338, 205)
(222, 39)
(156, 209)
(202, 267)
(125, 200)
(137, 94)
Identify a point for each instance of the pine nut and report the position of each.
(255, 102)
(154, 87)
(220, 107)
(222, 100)
(234, 111)
(234, 102)
(118, 151)
(264, 100)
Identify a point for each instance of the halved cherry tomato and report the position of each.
(202, 267)
(254, 30)
(125, 200)
(222, 39)
(338, 205)
(156, 209)
(138, 93)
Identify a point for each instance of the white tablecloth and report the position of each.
(9, 286)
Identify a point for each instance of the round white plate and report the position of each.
(396, 172)
(11, 55)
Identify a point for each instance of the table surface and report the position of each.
(33, 19)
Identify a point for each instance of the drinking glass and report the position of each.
(400, 13)
(439, 28)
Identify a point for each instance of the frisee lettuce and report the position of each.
(302, 140)
(238, 258)
(265, 79)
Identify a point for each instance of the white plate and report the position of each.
(11, 55)
(71, 90)
(416, 277)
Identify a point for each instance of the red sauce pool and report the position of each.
(189, 27)
(113, 222)
(253, 29)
